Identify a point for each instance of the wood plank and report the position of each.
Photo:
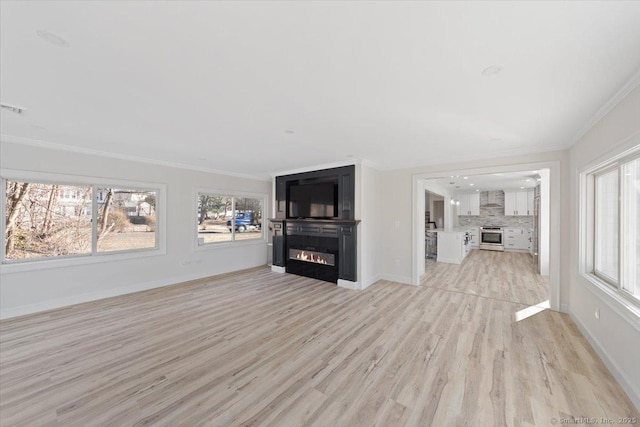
(261, 348)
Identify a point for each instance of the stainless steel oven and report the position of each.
(491, 238)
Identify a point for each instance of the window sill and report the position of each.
(618, 303)
(45, 264)
(232, 244)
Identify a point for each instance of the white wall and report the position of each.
(544, 233)
(616, 336)
(420, 230)
(35, 290)
(437, 210)
(368, 231)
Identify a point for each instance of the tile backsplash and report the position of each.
(493, 213)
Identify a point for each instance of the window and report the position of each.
(217, 214)
(45, 220)
(606, 230)
(130, 219)
(41, 224)
(630, 227)
(616, 226)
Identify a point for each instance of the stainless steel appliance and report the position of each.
(431, 245)
(491, 238)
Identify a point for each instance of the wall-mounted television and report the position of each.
(317, 200)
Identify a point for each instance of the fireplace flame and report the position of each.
(310, 257)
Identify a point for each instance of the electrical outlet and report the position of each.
(597, 313)
(396, 224)
(396, 261)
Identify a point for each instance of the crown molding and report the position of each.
(371, 164)
(445, 162)
(318, 167)
(625, 90)
(87, 151)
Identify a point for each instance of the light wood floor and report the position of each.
(260, 348)
(506, 276)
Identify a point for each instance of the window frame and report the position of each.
(587, 235)
(234, 195)
(616, 166)
(29, 264)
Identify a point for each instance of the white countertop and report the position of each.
(449, 230)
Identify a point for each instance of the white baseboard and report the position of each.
(56, 303)
(277, 269)
(405, 280)
(359, 285)
(449, 260)
(348, 284)
(369, 282)
(92, 296)
(627, 385)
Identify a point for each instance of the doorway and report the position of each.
(547, 223)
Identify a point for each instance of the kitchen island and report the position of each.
(453, 245)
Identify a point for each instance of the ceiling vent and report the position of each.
(14, 108)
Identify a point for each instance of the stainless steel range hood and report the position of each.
(492, 200)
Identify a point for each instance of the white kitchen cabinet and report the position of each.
(530, 194)
(517, 239)
(474, 203)
(509, 203)
(463, 204)
(516, 203)
(469, 204)
(521, 203)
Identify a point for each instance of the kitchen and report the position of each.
(494, 212)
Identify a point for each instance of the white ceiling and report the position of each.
(489, 182)
(262, 87)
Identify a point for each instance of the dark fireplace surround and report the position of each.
(324, 249)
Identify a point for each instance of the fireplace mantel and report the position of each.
(318, 227)
(338, 235)
(344, 230)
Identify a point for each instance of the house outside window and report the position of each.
(48, 218)
(228, 218)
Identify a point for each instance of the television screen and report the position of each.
(313, 200)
